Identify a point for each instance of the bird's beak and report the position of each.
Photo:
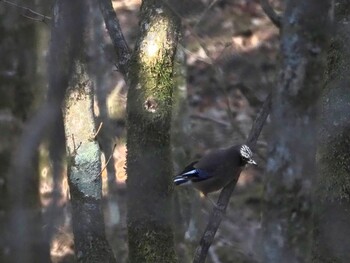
(251, 161)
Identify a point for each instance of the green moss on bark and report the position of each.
(149, 164)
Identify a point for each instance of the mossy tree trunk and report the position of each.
(291, 167)
(149, 163)
(84, 163)
(332, 197)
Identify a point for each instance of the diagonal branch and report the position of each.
(115, 32)
(224, 198)
(29, 13)
(270, 12)
(259, 122)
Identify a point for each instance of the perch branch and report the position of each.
(224, 198)
(29, 13)
(270, 12)
(115, 32)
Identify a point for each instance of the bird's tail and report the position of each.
(185, 178)
(180, 180)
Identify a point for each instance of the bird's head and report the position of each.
(247, 154)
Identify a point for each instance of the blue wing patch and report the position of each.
(191, 174)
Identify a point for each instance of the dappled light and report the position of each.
(114, 114)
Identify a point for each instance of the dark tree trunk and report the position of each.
(291, 157)
(149, 164)
(21, 226)
(332, 199)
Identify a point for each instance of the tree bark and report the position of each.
(149, 164)
(21, 224)
(291, 166)
(84, 163)
(184, 208)
(332, 195)
(84, 172)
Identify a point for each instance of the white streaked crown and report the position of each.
(246, 152)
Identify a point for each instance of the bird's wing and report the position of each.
(190, 173)
(200, 175)
(189, 167)
(212, 161)
(193, 175)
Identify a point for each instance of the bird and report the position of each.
(216, 169)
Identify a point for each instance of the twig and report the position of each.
(28, 12)
(98, 131)
(206, 118)
(109, 158)
(270, 12)
(115, 32)
(203, 14)
(217, 214)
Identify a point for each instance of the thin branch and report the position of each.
(224, 198)
(270, 12)
(207, 118)
(120, 45)
(98, 131)
(204, 13)
(109, 159)
(259, 122)
(29, 13)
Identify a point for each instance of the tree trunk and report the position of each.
(84, 172)
(290, 168)
(84, 163)
(332, 198)
(21, 225)
(184, 207)
(149, 164)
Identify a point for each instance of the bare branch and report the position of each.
(270, 12)
(207, 118)
(29, 13)
(98, 131)
(108, 160)
(259, 122)
(204, 13)
(120, 45)
(224, 198)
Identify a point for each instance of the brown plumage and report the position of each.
(216, 169)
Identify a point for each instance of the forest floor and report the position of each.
(231, 52)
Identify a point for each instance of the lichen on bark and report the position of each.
(84, 171)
